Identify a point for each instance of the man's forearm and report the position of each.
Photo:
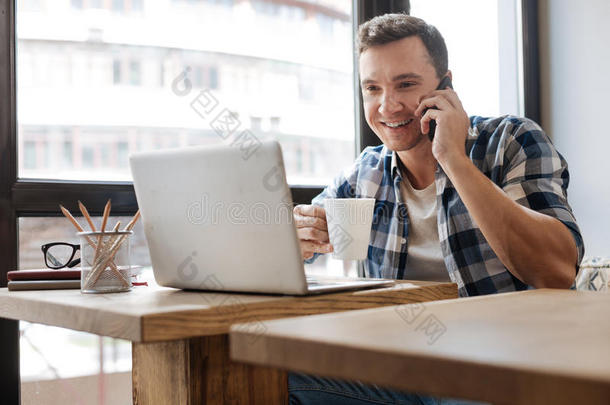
(536, 248)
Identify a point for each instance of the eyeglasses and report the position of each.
(58, 255)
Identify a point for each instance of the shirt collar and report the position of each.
(394, 168)
(473, 133)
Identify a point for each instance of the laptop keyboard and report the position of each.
(312, 281)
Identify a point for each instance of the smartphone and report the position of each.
(446, 82)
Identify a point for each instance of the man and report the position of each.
(483, 204)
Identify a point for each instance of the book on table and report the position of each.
(43, 279)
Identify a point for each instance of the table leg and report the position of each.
(10, 384)
(198, 371)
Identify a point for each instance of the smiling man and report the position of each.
(482, 204)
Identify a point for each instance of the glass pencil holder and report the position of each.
(105, 261)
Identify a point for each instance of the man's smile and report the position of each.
(396, 124)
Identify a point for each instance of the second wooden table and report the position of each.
(532, 347)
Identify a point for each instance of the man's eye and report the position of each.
(371, 88)
(406, 84)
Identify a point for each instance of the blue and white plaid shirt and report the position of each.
(512, 152)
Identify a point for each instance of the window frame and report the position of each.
(40, 198)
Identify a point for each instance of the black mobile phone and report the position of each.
(445, 82)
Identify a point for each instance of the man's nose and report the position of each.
(389, 104)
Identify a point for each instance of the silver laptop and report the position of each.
(218, 218)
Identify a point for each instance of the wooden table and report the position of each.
(534, 347)
(180, 338)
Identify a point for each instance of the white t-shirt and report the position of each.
(424, 255)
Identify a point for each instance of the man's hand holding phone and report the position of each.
(452, 123)
(312, 230)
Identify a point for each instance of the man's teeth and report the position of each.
(398, 124)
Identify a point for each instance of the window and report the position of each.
(256, 123)
(29, 154)
(94, 359)
(275, 123)
(105, 160)
(35, 232)
(88, 157)
(134, 73)
(95, 89)
(265, 7)
(326, 24)
(95, 94)
(67, 154)
(161, 75)
(133, 80)
(198, 77)
(213, 79)
(118, 5)
(481, 37)
(122, 153)
(116, 71)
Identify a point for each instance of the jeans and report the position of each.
(308, 389)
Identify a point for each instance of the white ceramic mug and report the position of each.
(349, 226)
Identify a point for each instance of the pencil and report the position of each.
(106, 247)
(85, 213)
(105, 217)
(68, 215)
(107, 255)
(94, 277)
(132, 223)
(102, 229)
(76, 224)
(71, 218)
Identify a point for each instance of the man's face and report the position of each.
(394, 77)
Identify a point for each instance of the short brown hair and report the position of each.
(388, 28)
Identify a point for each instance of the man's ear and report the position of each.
(450, 75)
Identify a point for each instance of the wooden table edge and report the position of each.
(220, 319)
(151, 327)
(409, 370)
